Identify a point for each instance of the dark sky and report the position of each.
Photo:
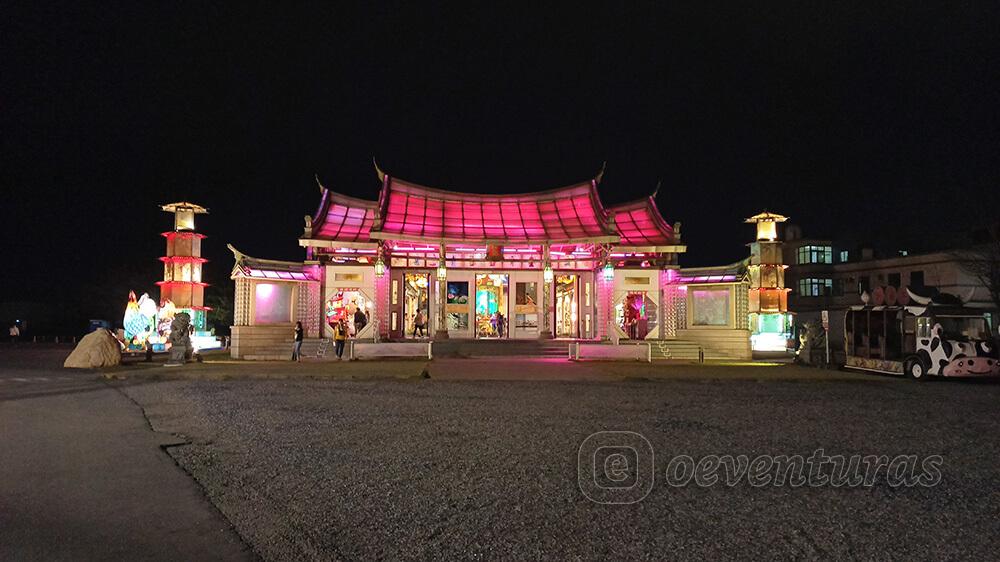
(863, 122)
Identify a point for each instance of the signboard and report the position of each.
(825, 314)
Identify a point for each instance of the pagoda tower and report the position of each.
(182, 263)
(770, 322)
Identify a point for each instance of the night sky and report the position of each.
(874, 124)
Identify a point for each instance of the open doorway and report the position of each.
(491, 305)
(566, 306)
(351, 306)
(416, 305)
(634, 315)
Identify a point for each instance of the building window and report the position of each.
(814, 254)
(917, 278)
(273, 303)
(711, 307)
(844, 254)
(815, 287)
(894, 279)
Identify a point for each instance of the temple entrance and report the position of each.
(416, 305)
(566, 324)
(491, 298)
(345, 304)
(633, 314)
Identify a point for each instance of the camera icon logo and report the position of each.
(615, 467)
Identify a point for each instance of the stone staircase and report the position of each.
(684, 350)
(283, 351)
(502, 348)
(677, 350)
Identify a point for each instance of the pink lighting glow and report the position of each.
(562, 214)
(639, 223)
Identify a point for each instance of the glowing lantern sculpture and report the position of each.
(770, 322)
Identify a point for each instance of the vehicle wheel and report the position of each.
(915, 369)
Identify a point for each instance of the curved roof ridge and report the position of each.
(632, 231)
(466, 195)
(353, 228)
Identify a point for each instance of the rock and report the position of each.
(97, 349)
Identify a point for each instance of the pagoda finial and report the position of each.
(378, 171)
(657, 190)
(600, 174)
(319, 183)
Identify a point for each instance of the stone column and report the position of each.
(442, 322)
(546, 327)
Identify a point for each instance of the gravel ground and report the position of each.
(418, 469)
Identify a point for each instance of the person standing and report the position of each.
(500, 324)
(360, 320)
(297, 346)
(15, 333)
(418, 323)
(340, 337)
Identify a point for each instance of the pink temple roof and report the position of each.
(640, 223)
(411, 211)
(343, 218)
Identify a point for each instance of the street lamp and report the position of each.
(547, 273)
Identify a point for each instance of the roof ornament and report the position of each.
(309, 227)
(319, 183)
(677, 232)
(657, 190)
(378, 171)
(238, 255)
(600, 174)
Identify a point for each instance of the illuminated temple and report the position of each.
(419, 262)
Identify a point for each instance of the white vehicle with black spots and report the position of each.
(920, 337)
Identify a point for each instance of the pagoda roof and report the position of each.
(410, 211)
(766, 216)
(343, 218)
(174, 207)
(639, 223)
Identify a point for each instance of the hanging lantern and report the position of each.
(442, 272)
(547, 273)
(609, 271)
(379, 267)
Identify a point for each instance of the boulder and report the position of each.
(97, 349)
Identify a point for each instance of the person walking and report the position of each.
(418, 323)
(500, 324)
(360, 320)
(340, 337)
(297, 346)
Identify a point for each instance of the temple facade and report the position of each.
(420, 262)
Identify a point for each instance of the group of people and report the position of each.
(341, 332)
(493, 325)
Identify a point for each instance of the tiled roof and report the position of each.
(639, 223)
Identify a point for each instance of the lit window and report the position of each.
(843, 256)
(815, 287)
(814, 254)
(272, 303)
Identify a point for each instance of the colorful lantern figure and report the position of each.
(163, 319)
(133, 322)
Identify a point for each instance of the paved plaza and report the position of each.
(478, 459)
